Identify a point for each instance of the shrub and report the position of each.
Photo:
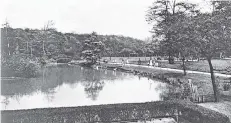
(19, 66)
(226, 87)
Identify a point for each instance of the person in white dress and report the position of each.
(150, 63)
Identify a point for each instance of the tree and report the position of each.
(92, 49)
(109, 52)
(212, 35)
(149, 52)
(46, 33)
(7, 28)
(162, 15)
(140, 52)
(126, 52)
(183, 38)
(75, 44)
(52, 49)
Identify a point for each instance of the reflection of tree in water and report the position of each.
(17, 87)
(93, 88)
(92, 83)
(6, 101)
(54, 76)
(50, 95)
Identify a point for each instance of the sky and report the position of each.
(119, 17)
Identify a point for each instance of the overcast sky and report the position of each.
(120, 17)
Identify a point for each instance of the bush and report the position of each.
(226, 87)
(19, 66)
(120, 112)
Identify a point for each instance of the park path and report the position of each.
(181, 71)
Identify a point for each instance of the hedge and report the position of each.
(117, 112)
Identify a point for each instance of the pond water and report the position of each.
(66, 86)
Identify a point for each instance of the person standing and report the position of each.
(139, 62)
(150, 62)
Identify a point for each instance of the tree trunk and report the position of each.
(44, 53)
(169, 57)
(31, 50)
(184, 67)
(215, 90)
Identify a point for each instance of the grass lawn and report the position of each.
(220, 65)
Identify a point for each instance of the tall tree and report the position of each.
(183, 38)
(92, 49)
(7, 29)
(162, 15)
(212, 35)
(46, 34)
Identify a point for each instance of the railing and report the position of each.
(115, 113)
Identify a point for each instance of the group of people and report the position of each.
(150, 62)
(125, 62)
(153, 63)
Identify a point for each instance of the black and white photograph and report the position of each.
(115, 61)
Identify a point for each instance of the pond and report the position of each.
(66, 86)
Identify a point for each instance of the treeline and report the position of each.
(54, 44)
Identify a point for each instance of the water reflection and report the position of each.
(93, 82)
(64, 85)
(93, 88)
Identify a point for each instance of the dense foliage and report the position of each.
(19, 46)
(19, 66)
(54, 44)
(92, 49)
